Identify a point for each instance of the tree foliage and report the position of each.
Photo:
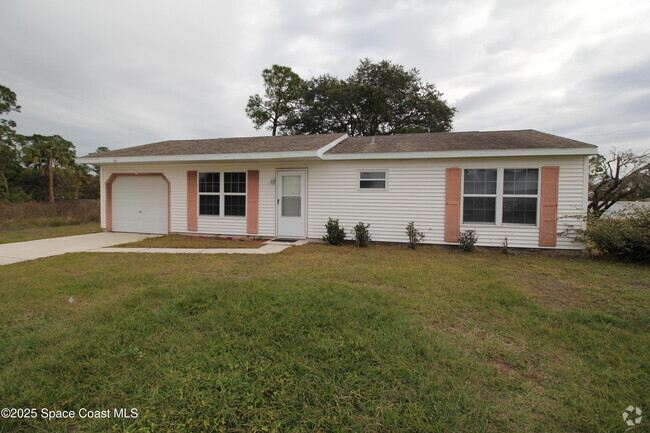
(46, 152)
(617, 176)
(26, 161)
(282, 89)
(377, 99)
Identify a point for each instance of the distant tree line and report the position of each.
(40, 167)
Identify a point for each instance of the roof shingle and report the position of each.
(283, 143)
(445, 141)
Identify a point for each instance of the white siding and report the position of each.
(415, 192)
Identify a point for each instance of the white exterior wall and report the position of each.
(415, 192)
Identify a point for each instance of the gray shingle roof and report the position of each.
(444, 141)
(283, 143)
(429, 142)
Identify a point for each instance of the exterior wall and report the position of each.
(415, 192)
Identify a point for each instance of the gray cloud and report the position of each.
(123, 73)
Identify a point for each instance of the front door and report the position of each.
(291, 187)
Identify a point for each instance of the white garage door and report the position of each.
(140, 204)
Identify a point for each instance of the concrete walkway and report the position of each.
(270, 247)
(29, 250)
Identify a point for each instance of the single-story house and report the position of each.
(522, 185)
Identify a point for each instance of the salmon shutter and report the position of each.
(253, 202)
(192, 192)
(452, 205)
(548, 206)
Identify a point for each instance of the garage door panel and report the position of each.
(140, 204)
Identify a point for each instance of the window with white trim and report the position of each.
(479, 195)
(372, 179)
(227, 201)
(520, 187)
(500, 196)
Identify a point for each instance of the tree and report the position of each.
(282, 89)
(377, 99)
(44, 152)
(100, 149)
(615, 177)
(9, 154)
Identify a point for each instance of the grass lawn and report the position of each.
(181, 241)
(31, 233)
(326, 339)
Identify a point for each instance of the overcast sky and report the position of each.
(123, 73)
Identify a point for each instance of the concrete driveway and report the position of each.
(30, 250)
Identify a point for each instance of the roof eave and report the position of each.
(311, 154)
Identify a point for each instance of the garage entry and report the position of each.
(139, 204)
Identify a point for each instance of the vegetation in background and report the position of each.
(203, 242)
(415, 236)
(366, 340)
(335, 233)
(16, 216)
(467, 240)
(39, 167)
(377, 99)
(622, 175)
(361, 234)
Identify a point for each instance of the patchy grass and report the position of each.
(182, 241)
(18, 216)
(322, 338)
(33, 233)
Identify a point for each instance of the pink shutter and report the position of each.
(452, 205)
(192, 193)
(253, 202)
(548, 206)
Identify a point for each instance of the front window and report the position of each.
(500, 196)
(229, 200)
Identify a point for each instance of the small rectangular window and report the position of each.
(518, 210)
(372, 180)
(209, 182)
(479, 209)
(235, 205)
(209, 204)
(234, 182)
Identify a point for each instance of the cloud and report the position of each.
(123, 73)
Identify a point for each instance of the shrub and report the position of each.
(624, 234)
(335, 234)
(467, 239)
(361, 234)
(415, 235)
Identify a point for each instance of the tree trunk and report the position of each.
(51, 175)
(275, 126)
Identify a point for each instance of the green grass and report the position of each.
(181, 241)
(322, 338)
(29, 234)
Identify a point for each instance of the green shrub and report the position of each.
(415, 235)
(16, 216)
(624, 234)
(361, 234)
(335, 234)
(467, 239)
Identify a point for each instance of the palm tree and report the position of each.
(46, 151)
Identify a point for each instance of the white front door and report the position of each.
(291, 190)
